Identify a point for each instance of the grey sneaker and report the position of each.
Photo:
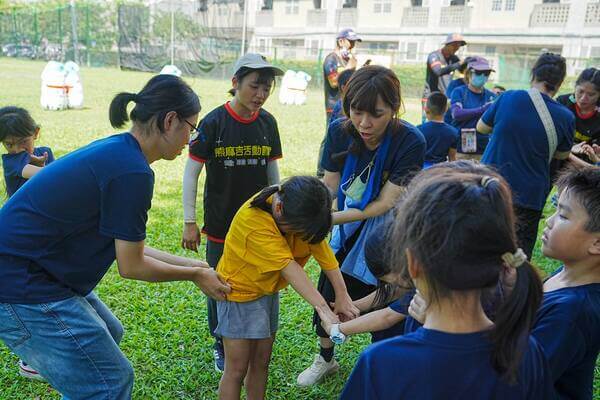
(319, 369)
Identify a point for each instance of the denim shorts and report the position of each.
(257, 319)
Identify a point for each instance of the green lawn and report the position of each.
(166, 329)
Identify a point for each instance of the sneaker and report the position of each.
(27, 372)
(219, 355)
(319, 369)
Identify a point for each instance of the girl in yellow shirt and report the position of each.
(271, 238)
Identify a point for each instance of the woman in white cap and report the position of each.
(467, 104)
(239, 144)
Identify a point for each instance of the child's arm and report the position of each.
(451, 154)
(191, 234)
(296, 277)
(366, 303)
(372, 322)
(30, 170)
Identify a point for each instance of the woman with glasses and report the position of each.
(367, 158)
(60, 233)
(239, 144)
(467, 104)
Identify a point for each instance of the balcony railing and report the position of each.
(346, 17)
(455, 16)
(592, 14)
(415, 16)
(316, 18)
(549, 15)
(264, 18)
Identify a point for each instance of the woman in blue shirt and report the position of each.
(520, 146)
(467, 104)
(61, 232)
(368, 158)
(454, 237)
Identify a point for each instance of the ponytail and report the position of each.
(514, 320)
(117, 112)
(551, 69)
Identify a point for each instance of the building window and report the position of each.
(382, 6)
(416, 3)
(317, 4)
(262, 45)
(550, 1)
(350, 4)
(510, 5)
(457, 2)
(490, 50)
(496, 5)
(291, 6)
(411, 50)
(314, 47)
(267, 5)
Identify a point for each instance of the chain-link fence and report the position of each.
(198, 40)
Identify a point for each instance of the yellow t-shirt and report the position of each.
(256, 251)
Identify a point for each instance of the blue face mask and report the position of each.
(478, 80)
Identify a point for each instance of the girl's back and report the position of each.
(430, 364)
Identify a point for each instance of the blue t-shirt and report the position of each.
(429, 364)
(401, 307)
(568, 328)
(406, 153)
(440, 138)
(469, 100)
(13, 165)
(57, 233)
(519, 144)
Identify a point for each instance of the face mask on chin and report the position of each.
(478, 81)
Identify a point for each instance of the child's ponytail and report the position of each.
(117, 112)
(514, 320)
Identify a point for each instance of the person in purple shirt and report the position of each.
(18, 133)
(459, 352)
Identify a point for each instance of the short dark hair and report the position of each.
(266, 76)
(437, 103)
(551, 69)
(584, 185)
(306, 204)
(16, 121)
(162, 94)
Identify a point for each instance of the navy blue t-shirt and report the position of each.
(456, 83)
(519, 144)
(57, 233)
(337, 112)
(568, 328)
(406, 153)
(401, 307)
(429, 364)
(440, 138)
(469, 100)
(13, 165)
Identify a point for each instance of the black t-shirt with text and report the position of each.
(331, 67)
(236, 152)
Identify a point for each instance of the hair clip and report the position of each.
(486, 180)
(516, 259)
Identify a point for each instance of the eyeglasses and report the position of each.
(194, 128)
(486, 73)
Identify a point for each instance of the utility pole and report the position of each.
(244, 24)
(172, 33)
(74, 32)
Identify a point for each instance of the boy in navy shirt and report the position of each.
(568, 322)
(18, 132)
(441, 137)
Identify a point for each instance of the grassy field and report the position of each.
(166, 335)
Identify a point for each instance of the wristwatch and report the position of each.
(336, 335)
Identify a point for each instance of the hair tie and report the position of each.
(486, 180)
(279, 188)
(516, 259)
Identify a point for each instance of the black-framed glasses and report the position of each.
(194, 128)
(486, 73)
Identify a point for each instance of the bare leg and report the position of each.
(237, 358)
(258, 370)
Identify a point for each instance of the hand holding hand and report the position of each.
(345, 308)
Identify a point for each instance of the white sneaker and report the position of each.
(319, 369)
(27, 372)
